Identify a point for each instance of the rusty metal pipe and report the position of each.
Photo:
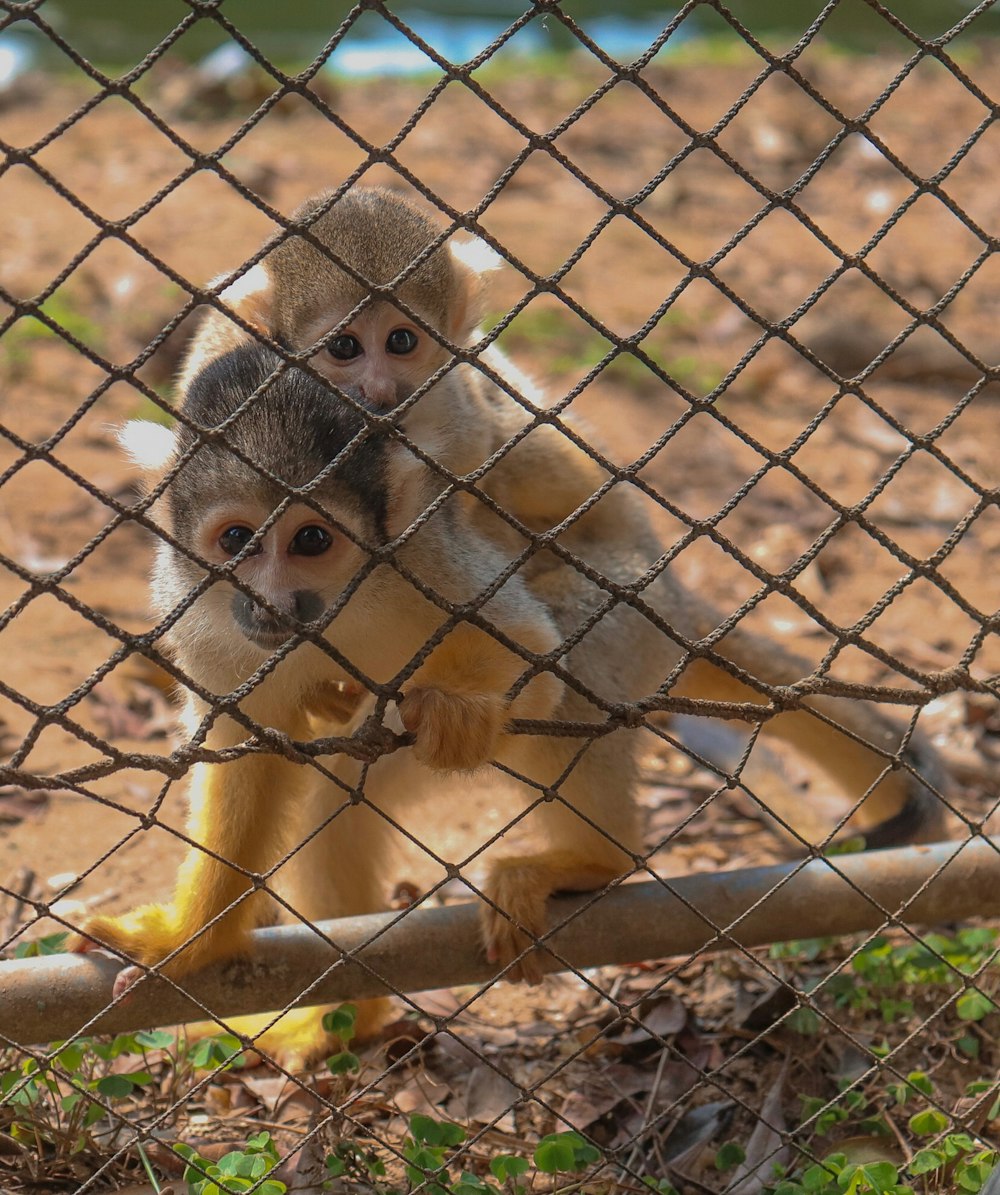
(61, 996)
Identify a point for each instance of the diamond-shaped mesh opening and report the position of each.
(564, 90)
(964, 183)
(22, 273)
(959, 248)
(686, 207)
(373, 37)
(803, 261)
(967, 317)
(620, 241)
(699, 104)
(983, 532)
(893, 121)
(853, 297)
(260, 158)
(853, 548)
(701, 336)
(778, 132)
(777, 500)
(113, 122)
(855, 193)
(26, 123)
(923, 599)
(73, 633)
(62, 364)
(508, 216)
(675, 563)
(462, 120)
(957, 440)
(593, 142)
(198, 257)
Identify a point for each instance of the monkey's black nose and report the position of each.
(268, 629)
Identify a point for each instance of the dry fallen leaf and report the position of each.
(765, 1147)
(271, 1091)
(609, 1086)
(490, 1098)
(695, 1128)
(659, 1017)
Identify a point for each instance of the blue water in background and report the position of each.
(372, 46)
(293, 32)
(291, 37)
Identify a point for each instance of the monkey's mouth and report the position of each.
(268, 639)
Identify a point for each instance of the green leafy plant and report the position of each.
(66, 1104)
(341, 1021)
(430, 1163)
(39, 947)
(956, 1166)
(55, 1102)
(222, 1050)
(240, 1170)
(884, 977)
(944, 1160)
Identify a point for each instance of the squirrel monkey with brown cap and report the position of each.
(295, 488)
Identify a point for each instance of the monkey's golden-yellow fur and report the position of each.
(602, 608)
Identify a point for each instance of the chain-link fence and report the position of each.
(456, 677)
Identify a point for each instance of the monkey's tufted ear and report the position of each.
(472, 260)
(250, 296)
(476, 255)
(148, 445)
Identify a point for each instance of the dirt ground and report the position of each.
(59, 406)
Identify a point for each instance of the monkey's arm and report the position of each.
(457, 702)
(456, 681)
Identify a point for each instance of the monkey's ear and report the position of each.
(472, 261)
(250, 296)
(148, 445)
(476, 255)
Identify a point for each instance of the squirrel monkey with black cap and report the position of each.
(470, 619)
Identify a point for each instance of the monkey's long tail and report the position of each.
(851, 741)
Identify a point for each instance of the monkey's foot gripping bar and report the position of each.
(61, 996)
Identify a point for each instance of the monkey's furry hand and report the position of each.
(454, 731)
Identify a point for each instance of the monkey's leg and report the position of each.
(340, 872)
(589, 829)
(897, 808)
(238, 812)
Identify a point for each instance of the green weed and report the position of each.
(240, 1170)
(62, 309)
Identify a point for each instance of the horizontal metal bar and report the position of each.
(60, 996)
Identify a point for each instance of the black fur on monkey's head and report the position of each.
(291, 426)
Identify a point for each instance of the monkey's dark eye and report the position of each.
(234, 539)
(401, 341)
(344, 347)
(310, 541)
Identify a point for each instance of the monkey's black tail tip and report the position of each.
(921, 819)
